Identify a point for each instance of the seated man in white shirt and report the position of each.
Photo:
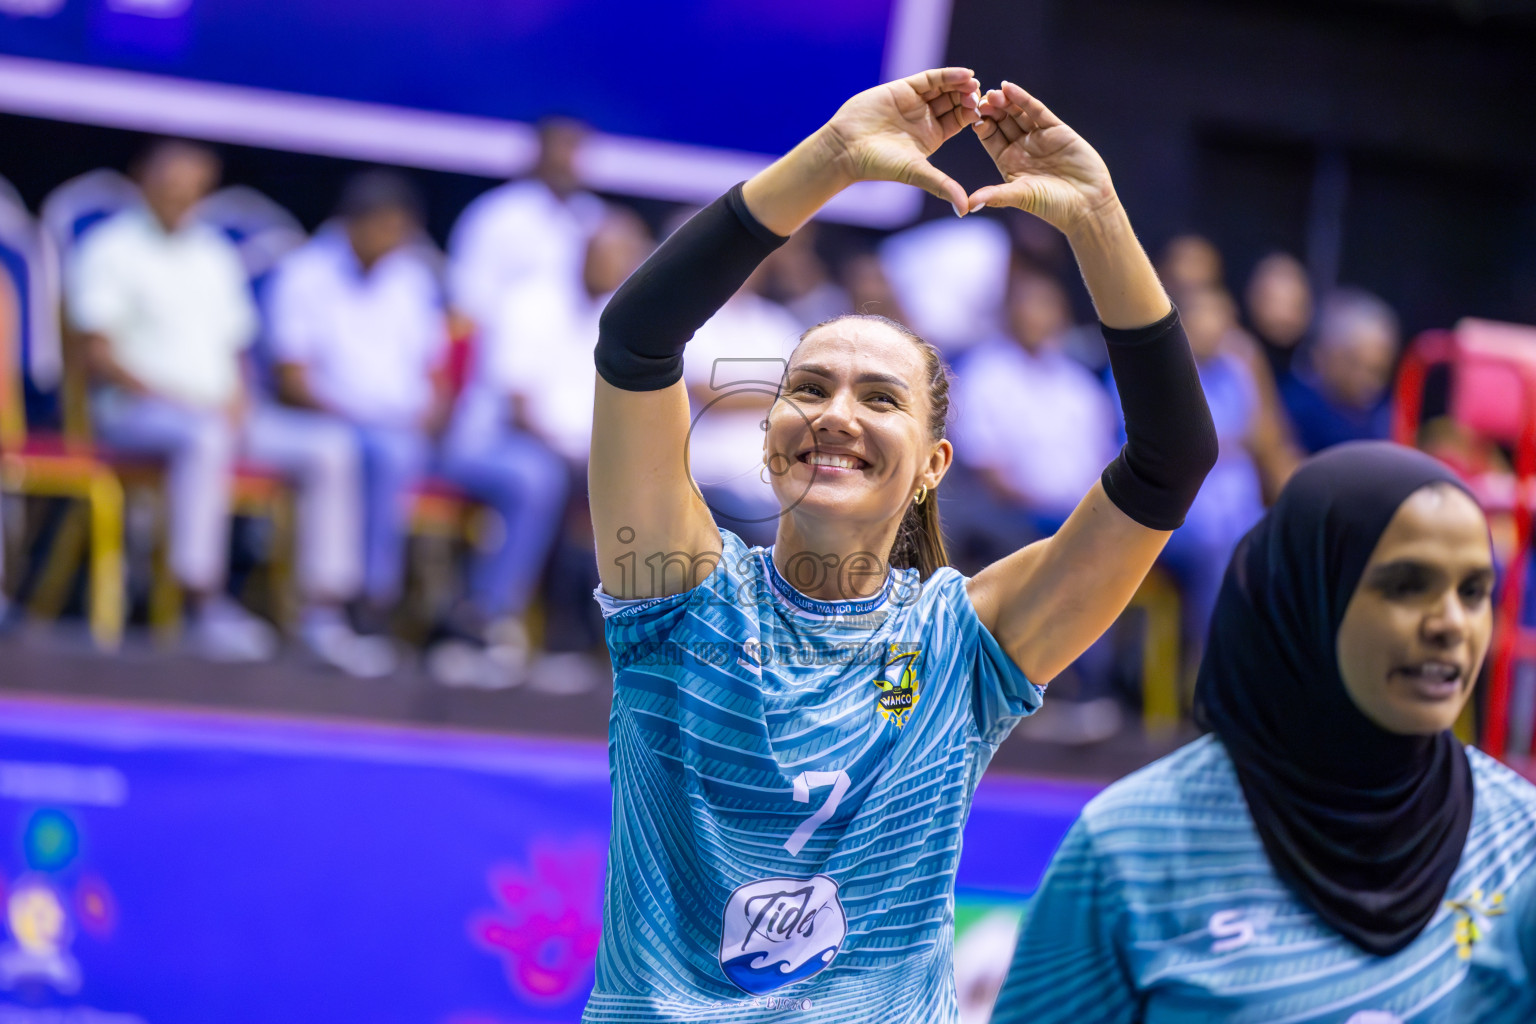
(1034, 429)
(530, 395)
(358, 331)
(165, 312)
(534, 228)
(533, 369)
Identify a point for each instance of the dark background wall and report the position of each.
(1390, 144)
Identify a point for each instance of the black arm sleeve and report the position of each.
(656, 311)
(1171, 441)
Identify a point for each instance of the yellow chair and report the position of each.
(254, 492)
(48, 466)
(1162, 696)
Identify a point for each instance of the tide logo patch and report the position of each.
(777, 931)
(898, 684)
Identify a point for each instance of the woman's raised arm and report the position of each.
(654, 534)
(1048, 602)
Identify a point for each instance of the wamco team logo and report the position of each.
(778, 931)
(1474, 916)
(898, 685)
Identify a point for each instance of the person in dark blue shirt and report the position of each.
(1341, 394)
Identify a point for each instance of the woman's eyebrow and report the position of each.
(1407, 567)
(863, 378)
(1402, 567)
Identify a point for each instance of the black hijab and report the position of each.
(1365, 825)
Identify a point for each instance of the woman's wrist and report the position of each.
(789, 191)
(1120, 278)
(828, 152)
(1104, 225)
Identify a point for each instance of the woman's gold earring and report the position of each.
(762, 474)
(922, 494)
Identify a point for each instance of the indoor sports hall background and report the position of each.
(249, 823)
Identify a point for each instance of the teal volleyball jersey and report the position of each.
(1161, 906)
(790, 781)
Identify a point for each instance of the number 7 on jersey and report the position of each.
(804, 783)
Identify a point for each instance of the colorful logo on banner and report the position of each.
(547, 924)
(42, 913)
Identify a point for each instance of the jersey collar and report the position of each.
(863, 606)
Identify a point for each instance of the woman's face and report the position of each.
(849, 436)
(1417, 627)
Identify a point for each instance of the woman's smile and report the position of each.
(833, 463)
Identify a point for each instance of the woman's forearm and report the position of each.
(653, 315)
(1125, 288)
(789, 191)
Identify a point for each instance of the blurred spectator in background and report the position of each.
(358, 332)
(1279, 301)
(537, 227)
(532, 385)
(1191, 265)
(951, 278)
(1232, 498)
(1034, 429)
(1038, 246)
(1033, 426)
(1190, 261)
(796, 277)
(6, 621)
(869, 290)
(1272, 442)
(164, 312)
(534, 370)
(1340, 393)
(1041, 249)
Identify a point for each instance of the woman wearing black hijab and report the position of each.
(1331, 852)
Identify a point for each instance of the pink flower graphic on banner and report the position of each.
(95, 906)
(547, 926)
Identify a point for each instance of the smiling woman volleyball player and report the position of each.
(792, 767)
(1330, 853)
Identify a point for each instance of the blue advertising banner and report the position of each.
(687, 96)
(168, 867)
(704, 72)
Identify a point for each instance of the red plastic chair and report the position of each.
(439, 508)
(1493, 397)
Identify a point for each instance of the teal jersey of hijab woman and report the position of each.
(1331, 852)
